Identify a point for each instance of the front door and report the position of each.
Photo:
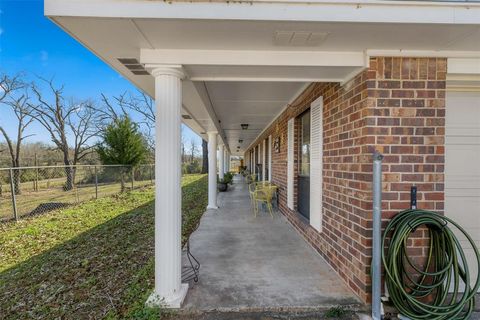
(303, 199)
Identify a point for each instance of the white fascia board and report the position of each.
(422, 53)
(252, 58)
(264, 79)
(205, 97)
(422, 12)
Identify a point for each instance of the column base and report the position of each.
(212, 207)
(173, 302)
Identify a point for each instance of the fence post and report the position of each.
(36, 173)
(376, 236)
(14, 198)
(96, 182)
(133, 178)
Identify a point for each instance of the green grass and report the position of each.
(89, 261)
(338, 312)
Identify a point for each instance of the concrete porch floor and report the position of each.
(261, 263)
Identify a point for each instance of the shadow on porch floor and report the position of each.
(258, 263)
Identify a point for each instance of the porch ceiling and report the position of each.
(277, 56)
(252, 103)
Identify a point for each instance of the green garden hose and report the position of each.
(434, 289)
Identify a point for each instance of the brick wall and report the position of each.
(396, 106)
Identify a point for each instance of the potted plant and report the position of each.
(222, 185)
(228, 177)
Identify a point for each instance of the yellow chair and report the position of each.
(265, 195)
(255, 186)
(251, 191)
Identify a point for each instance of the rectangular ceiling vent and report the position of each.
(186, 117)
(299, 38)
(134, 66)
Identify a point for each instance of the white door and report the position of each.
(462, 166)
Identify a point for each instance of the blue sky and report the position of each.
(31, 43)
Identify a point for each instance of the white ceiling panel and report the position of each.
(253, 103)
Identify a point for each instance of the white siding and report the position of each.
(290, 159)
(316, 164)
(462, 169)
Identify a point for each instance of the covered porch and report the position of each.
(258, 263)
(267, 81)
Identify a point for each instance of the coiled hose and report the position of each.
(434, 290)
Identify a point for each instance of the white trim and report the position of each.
(422, 12)
(270, 158)
(254, 160)
(205, 97)
(290, 164)
(212, 170)
(422, 53)
(316, 164)
(264, 160)
(264, 79)
(252, 58)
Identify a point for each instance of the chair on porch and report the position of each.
(191, 271)
(264, 194)
(251, 178)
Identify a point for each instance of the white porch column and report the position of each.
(212, 170)
(169, 290)
(221, 165)
(228, 161)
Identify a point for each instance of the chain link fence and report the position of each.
(29, 191)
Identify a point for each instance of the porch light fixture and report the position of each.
(244, 126)
(240, 141)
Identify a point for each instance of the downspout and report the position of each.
(377, 236)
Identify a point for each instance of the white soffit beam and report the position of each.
(207, 102)
(423, 12)
(252, 58)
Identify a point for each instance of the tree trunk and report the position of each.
(16, 181)
(204, 156)
(69, 183)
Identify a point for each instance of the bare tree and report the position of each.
(9, 84)
(193, 150)
(63, 119)
(20, 107)
(182, 145)
(204, 156)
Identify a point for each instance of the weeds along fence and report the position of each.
(26, 191)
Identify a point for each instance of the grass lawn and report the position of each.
(90, 261)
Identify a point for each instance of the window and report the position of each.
(305, 144)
